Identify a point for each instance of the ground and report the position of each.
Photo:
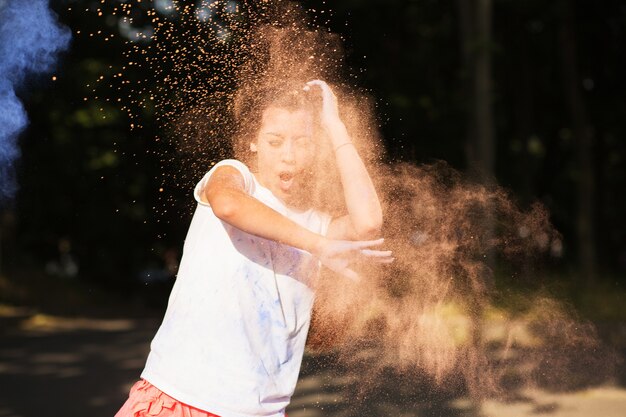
(69, 366)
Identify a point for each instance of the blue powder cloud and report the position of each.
(30, 40)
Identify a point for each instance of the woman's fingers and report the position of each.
(326, 90)
(362, 248)
(384, 260)
(377, 256)
(339, 255)
(362, 244)
(344, 254)
(330, 107)
(319, 83)
(375, 253)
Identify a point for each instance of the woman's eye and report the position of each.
(275, 143)
(304, 141)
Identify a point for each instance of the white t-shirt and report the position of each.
(233, 335)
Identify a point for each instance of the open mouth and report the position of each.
(286, 180)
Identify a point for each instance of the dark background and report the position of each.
(527, 95)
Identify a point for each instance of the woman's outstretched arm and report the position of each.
(364, 219)
(229, 201)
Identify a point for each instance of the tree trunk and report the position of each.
(466, 38)
(475, 41)
(583, 139)
(485, 144)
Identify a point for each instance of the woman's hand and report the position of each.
(330, 108)
(340, 255)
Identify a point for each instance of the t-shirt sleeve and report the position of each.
(326, 220)
(238, 165)
(321, 222)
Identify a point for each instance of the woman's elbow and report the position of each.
(223, 205)
(225, 211)
(369, 230)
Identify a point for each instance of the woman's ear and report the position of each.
(252, 147)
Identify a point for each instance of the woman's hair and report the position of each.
(250, 103)
(251, 100)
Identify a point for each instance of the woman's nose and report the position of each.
(288, 153)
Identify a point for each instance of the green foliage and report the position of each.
(86, 174)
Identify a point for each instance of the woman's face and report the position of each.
(285, 151)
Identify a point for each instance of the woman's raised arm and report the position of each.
(364, 219)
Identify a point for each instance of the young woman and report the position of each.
(232, 339)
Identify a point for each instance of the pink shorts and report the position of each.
(147, 400)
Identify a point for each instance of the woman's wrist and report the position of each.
(317, 245)
(343, 145)
(338, 134)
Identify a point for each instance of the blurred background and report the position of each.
(524, 94)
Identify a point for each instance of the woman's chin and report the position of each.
(286, 185)
(292, 194)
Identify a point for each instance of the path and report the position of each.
(77, 367)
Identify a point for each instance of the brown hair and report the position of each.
(250, 103)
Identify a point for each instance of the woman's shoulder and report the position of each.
(235, 163)
(248, 177)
